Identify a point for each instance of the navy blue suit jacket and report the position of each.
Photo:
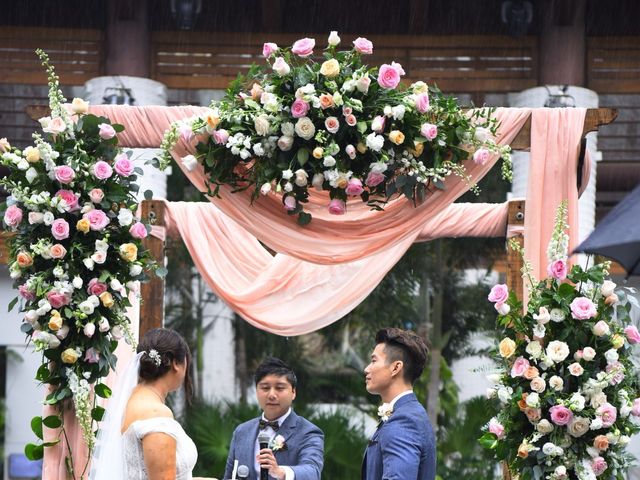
(304, 453)
(404, 447)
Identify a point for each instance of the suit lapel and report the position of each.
(288, 431)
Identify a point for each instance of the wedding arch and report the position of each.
(344, 258)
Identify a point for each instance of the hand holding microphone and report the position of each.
(267, 460)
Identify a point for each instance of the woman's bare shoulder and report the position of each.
(143, 406)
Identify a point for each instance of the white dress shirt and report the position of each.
(289, 473)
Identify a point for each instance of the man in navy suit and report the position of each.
(296, 448)
(404, 446)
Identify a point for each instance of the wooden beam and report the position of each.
(152, 291)
(4, 247)
(515, 219)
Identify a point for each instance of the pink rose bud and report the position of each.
(303, 47)
(362, 45)
(13, 216)
(599, 465)
(560, 415)
(64, 174)
(519, 367)
(299, 108)
(89, 329)
(96, 195)
(337, 207)
(186, 133)
(377, 125)
(633, 336)
(102, 170)
(635, 411)
(220, 136)
(91, 355)
(374, 179)
(96, 287)
(429, 131)
(557, 269)
(422, 102)
(481, 156)
(123, 166)
(496, 428)
(60, 229)
(388, 77)
(354, 187)
(106, 131)
(351, 120)
(269, 48)
(69, 198)
(138, 230)
(289, 203)
(583, 308)
(351, 151)
(499, 293)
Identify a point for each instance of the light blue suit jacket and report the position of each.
(304, 453)
(404, 447)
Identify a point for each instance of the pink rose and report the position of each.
(220, 136)
(481, 156)
(89, 329)
(560, 415)
(374, 178)
(398, 68)
(303, 47)
(635, 411)
(388, 77)
(13, 216)
(69, 197)
(106, 131)
(496, 428)
(519, 367)
(351, 120)
(138, 230)
(269, 48)
(64, 174)
(608, 414)
(599, 465)
(617, 369)
(55, 126)
(102, 170)
(96, 195)
(186, 133)
(57, 299)
(583, 309)
(92, 355)
(96, 287)
(632, 334)
(347, 110)
(97, 219)
(289, 203)
(60, 229)
(354, 187)
(499, 293)
(332, 124)
(429, 131)
(422, 102)
(123, 166)
(57, 251)
(377, 125)
(299, 108)
(362, 45)
(29, 295)
(337, 207)
(557, 269)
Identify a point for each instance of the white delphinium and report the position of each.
(81, 392)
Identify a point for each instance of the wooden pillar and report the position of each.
(152, 291)
(514, 260)
(128, 42)
(563, 42)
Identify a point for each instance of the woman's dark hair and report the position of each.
(406, 346)
(169, 346)
(275, 366)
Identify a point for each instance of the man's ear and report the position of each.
(398, 365)
(294, 394)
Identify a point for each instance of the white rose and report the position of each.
(134, 286)
(598, 399)
(534, 349)
(23, 165)
(190, 162)
(398, 112)
(285, 143)
(625, 410)
(502, 308)
(504, 394)
(94, 300)
(88, 308)
(63, 332)
(318, 180)
(557, 351)
(613, 438)
(600, 329)
(375, 142)
(103, 325)
(48, 218)
(31, 316)
(88, 263)
(578, 426)
(596, 424)
(538, 385)
(304, 128)
(31, 174)
(334, 39)
(624, 440)
(607, 288)
(99, 257)
(548, 448)
(265, 188)
(101, 246)
(576, 369)
(539, 330)
(301, 177)
(533, 400)
(561, 472)
(281, 67)
(545, 426)
(556, 383)
(557, 315)
(588, 354)
(577, 402)
(262, 125)
(53, 341)
(329, 161)
(287, 129)
(363, 84)
(135, 270)
(288, 187)
(482, 134)
(117, 332)
(115, 284)
(611, 356)
(77, 282)
(125, 217)
(78, 105)
(35, 218)
(287, 174)
(542, 316)
(494, 377)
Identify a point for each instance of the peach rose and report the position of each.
(530, 373)
(129, 252)
(24, 259)
(601, 442)
(326, 101)
(507, 347)
(70, 356)
(396, 136)
(57, 251)
(107, 299)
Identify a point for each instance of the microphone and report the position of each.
(263, 441)
(243, 472)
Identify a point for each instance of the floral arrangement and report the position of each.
(568, 390)
(76, 255)
(336, 125)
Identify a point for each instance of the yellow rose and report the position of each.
(617, 341)
(523, 450)
(213, 120)
(396, 136)
(107, 299)
(342, 182)
(361, 147)
(79, 106)
(420, 87)
(55, 322)
(507, 347)
(330, 68)
(24, 259)
(70, 355)
(419, 148)
(129, 252)
(32, 154)
(318, 152)
(83, 225)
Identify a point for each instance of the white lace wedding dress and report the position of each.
(186, 453)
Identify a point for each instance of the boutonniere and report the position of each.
(278, 443)
(384, 411)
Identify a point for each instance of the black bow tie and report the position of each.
(265, 423)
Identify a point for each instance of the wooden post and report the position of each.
(152, 291)
(514, 260)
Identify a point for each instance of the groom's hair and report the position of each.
(406, 346)
(275, 366)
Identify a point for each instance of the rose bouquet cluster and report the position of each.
(335, 125)
(76, 255)
(568, 390)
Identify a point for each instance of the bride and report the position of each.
(139, 438)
